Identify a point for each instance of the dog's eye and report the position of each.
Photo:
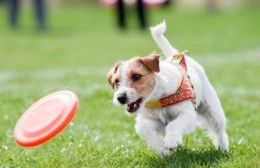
(136, 77)
(117, 82)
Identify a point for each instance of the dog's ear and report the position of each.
(151, 62)
(112, 72)
(109, 77)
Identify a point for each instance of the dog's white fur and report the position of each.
(163, 129)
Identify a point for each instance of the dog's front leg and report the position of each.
(149, 130)
(183, 124)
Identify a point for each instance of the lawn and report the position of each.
(79, 48)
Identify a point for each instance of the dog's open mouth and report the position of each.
(134, 106)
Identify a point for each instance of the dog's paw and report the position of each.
(172, 142)
(160, 149)
(163, 152)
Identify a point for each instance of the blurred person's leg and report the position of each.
(212, 5)
(13, 9)
(121, 20)
(167, 3)
(141, 11)
(40, 14)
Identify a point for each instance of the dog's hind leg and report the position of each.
(213, 118)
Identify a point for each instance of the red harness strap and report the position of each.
(184, 92)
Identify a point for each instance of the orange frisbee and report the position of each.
(46, 118)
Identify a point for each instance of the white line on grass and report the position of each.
(53, 73)
(238, 91)
(211, 59)
(233, 58)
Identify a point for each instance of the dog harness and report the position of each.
(184, 92)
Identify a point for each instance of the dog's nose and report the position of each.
(122, 98)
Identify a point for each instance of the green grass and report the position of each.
(76, 53)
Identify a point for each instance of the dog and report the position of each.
(169, 98)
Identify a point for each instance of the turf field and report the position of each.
(77, 51)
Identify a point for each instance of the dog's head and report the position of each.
(133, 81)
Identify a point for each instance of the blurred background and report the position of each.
(71, 31)
(49, 45)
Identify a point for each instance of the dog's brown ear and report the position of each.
(112, 72)
(109, 77)
(151, 62)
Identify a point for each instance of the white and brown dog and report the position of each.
(168, 97)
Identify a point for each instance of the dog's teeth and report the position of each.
(133, 106)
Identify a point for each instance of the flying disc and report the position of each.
(46, 118)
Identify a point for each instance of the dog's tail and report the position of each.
(158, 36)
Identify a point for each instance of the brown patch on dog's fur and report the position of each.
(151, 62)
(146, 83)
(113, 75)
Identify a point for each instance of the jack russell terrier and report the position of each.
(168, 97)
